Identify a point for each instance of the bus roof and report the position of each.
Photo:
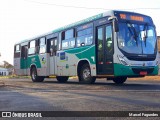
(95, 17)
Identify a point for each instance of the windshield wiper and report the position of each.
(133, 33)
(145, 33)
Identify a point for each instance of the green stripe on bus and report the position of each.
(26, 63)
(86, 52)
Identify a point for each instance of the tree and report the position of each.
(7, 64)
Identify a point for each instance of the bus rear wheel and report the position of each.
(62, 79)
(35, 77)
(85, 75)
(119, 80)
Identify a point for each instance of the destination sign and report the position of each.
(132, 17)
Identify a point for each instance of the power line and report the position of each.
(82, 7)
(58, 5)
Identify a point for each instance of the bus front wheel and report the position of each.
(35, 77)
(119, 80)
(62, 79)
(85, 75)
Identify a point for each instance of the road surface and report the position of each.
(24, 95)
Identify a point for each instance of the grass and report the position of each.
(147, 78)
(14, 76)
(25, 77)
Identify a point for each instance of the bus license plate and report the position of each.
(143, 73)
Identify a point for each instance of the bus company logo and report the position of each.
(6, 114)
(43, 60)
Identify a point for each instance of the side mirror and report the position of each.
(115, 26)
(114, 22)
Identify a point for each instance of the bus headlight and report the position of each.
(122, 61)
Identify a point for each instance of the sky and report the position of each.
(23, 19)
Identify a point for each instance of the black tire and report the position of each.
(119, 80)
(35, 77)
(62, 79)
(85, 75)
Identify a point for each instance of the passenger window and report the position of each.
(68, 39)
(32, 44)
(42, 45)
(69, 34)
(85, 37)
(31, 49)
(17, 51)
(17, 48)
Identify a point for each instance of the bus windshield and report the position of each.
(137, 38)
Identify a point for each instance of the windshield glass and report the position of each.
(136, 38)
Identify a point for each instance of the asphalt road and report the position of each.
(24, 95)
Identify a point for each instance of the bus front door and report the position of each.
(104, 44)
(53, 49)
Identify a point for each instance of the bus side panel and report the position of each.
(66, 64)
(74, 56)
(72, 64)
(17, 69)
(34, 61)
(88, 53)
(44, 61)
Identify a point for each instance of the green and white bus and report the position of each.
(113, 45)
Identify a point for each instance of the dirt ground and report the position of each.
(147, 78)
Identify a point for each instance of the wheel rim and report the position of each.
(86, 74)
(34, 74)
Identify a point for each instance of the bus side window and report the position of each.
(68, 39)
(17, 48)
(42, 45)
(85, 35)
(24, 50)
(32, 45)
(17, 51)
